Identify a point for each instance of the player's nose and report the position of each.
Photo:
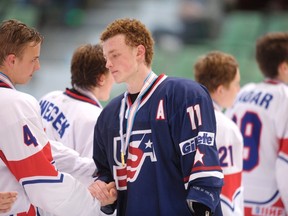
(108, 64)
(37, 66)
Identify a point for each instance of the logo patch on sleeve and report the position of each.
(203, 138)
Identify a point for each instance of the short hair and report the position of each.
(271, 51)
(15, 36)
(87, 65)
(135, 34)
(214, 69)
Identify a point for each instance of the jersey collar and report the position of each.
(217, 106)
(272, 81)
(75, 94)
(5, 82)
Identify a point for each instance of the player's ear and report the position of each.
(10, 59)
(283, 67)
(219, 89)
(283, 72)
(101, 80)
(141, 51)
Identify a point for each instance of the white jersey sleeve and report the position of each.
(229, 143)
(26, 162)
(68, 160)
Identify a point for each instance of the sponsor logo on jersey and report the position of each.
(141, 151)
(269, 211)
(203, 138)
(271, 207)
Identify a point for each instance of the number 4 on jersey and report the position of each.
(28, 136)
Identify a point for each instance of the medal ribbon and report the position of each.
(131, 113)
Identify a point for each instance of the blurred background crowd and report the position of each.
(183, 30)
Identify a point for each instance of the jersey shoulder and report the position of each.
(182, 89)
(51, 94)
(111, 110)
(226, 125)
(14, 100)
(184, 85)
(114, 103)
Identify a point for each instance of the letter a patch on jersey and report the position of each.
(160, 111)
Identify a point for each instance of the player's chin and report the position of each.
(27, 80)
(118, 80)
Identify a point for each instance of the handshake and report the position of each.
(105, 193)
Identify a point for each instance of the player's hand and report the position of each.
(105, 193)
(7, 200)
(113, 194)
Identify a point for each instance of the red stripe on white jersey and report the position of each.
(232, 184)
(35, 165)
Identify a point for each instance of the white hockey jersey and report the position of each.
(229, 143)
(70, 117)
(26, 161)
(74, 128)
(260, 111)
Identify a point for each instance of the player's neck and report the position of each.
(8, 75)
(136, 82)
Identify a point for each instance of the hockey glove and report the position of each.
(199, 209)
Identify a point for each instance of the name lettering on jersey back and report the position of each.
(258, 98)
(203, 138)
(52, 113)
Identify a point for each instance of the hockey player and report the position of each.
(260, 111)
(70, 116)
(219, 72)
(26, 161)
(157, 140)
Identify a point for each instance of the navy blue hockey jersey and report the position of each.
(171, 154)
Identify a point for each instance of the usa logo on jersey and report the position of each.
(141, 150)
